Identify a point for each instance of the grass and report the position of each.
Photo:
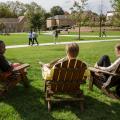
(19, 39)
(21, 104)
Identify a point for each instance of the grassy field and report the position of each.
(21, 104)
(18, 39)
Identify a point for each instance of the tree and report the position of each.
(77, 14)
(56, 10)
(17, 8)
(35, 15)
(116, 18)
(11, 9)
(5, 11)
(93, 19)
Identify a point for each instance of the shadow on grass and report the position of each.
(94, 109)
(27, 103)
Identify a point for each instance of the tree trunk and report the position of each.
(79, 32)
(39, 31)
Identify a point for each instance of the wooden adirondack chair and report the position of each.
(112, 81)
(67, 78)
(17, 76)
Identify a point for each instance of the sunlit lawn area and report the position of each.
(21, 104)
(19, 39)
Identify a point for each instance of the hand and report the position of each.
(104, 85)
(97, 67)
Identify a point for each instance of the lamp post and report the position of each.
(100, 32)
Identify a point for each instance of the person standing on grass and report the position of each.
(55, 34)
(30, 37)
(104, 33)
(34, 36)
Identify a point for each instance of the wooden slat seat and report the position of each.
(18, 75)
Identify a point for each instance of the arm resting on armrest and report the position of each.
(21, 67)
(102, 71)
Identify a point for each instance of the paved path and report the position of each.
(62, 43)
(87, 36)
(109, 36)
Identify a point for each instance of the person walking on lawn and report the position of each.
(30, 37)
(34, 36)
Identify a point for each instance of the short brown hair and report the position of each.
(73, 49)
(117, 47)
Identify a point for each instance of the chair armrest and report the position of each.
(23, 66)
(102, 71)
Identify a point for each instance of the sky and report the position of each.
(93, 5)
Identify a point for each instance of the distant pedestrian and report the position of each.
(55, 34)
(30, 38)
(35, 36)
(104, 33)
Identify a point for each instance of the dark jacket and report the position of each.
(4, 65)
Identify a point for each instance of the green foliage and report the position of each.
(78, 13)
(5, 11)
(17, 8)
(35, 15)
(115, 21)
(57, 10)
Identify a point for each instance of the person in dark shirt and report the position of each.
(4, 64)
(6, 67)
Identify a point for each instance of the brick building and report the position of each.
(14, 24)
(59, 21)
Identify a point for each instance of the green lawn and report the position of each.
(21, 104)
(19, 39)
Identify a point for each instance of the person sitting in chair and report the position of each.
(72, 51)
(7, 67)
(104, 63)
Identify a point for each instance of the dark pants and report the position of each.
(30, 41)
(104, 61)
(35, 39)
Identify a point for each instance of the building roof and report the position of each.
(58, 17)
(9, 19)
(12, 20)
(20, 18)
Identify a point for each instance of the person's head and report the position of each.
(117, 50)
(72, 50)
(2, 47)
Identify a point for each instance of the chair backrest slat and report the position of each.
(69, 71)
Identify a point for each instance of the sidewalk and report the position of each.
(109, 36)
(62, 43)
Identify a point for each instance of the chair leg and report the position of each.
(25, 81)
(49, 106)
(81, 106)
(109, 93)
(91, 83)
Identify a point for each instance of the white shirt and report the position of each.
(113, 67)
